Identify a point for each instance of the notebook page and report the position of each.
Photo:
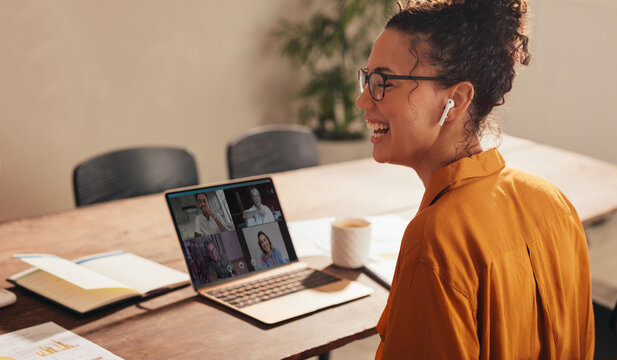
(135, 271)
(71, 272)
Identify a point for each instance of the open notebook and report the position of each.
(92, 282)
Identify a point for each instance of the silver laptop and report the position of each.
(239, 252)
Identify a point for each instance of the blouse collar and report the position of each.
(461, 172)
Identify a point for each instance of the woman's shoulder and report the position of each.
(524, 179)
(482, 207)
(535, 191)
(487, 197)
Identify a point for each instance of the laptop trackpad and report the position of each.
(307, 301)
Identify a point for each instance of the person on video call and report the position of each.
(258, 213)
(218, 266)
(494, 265)
(270, 255)
(208, 222)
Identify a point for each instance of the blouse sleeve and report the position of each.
(429, 318)
(278, 257)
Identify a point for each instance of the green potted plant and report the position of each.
(331, 45)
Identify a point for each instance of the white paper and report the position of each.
(312, 237)
(71, 272)
(388, 232)
(50, 341)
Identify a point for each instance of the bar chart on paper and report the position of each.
(50, 341)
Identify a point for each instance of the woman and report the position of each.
(270, 255)
(494, 264)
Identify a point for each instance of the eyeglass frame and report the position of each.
(364, 72)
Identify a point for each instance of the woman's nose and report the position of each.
(364, 100)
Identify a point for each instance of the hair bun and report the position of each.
(501, 18)
(471, 40)
(505, 19)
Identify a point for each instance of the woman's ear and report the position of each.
(462, 95)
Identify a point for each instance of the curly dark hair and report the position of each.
(470, 40)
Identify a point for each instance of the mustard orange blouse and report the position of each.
(494, 265)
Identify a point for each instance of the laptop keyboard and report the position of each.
(272, 287)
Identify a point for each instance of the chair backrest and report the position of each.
(132, 172)
(271, 149)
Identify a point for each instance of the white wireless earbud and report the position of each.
(449, 105)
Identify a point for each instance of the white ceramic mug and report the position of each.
(350, 242)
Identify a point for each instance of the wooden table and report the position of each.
(176, 325)
(180, 325)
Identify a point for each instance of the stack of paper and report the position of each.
(312, 237)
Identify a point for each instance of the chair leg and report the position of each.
(613, 320)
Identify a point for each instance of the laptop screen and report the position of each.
(230, 230)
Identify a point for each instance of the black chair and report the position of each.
(606, 338)
(132, 172)
(270, 149)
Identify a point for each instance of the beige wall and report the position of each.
(81, 77)
(566, 97)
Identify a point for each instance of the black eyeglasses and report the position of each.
(377, 82)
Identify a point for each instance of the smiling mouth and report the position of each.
(379, 128)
